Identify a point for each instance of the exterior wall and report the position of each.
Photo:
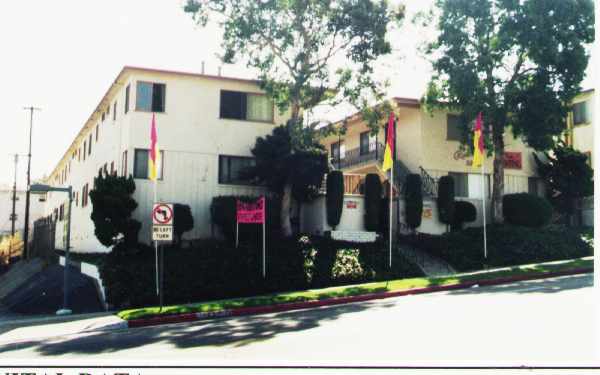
(191, 135)
(583, 134)
(313, 217)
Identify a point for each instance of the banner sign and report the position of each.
(512, 160)
(252, 212)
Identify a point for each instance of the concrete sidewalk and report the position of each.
(22, 328)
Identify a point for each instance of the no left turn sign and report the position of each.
(162, 214)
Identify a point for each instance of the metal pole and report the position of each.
(156, 250)
(391, 209)
(65, 310)
(264, 238)
(27, 198)
(483, 204)
(13, 216)
(237, 232)
(162, 275)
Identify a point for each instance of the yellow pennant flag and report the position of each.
(388, 161)
(154, 159)
(478, 156)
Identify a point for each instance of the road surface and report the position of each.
(547, 322)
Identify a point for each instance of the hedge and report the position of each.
(413, 200)
(445, 200)
(216, 270)
(464, 212)
(373, 190)
(526, 209)
(335, 197)
(507, 245)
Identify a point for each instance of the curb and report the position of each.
(243, 311)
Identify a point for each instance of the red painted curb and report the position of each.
(189, 317)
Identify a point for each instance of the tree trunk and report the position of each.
(498, 188)
(286, 203)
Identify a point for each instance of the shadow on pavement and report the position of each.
(235, 332)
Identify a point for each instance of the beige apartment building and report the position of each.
(580, 124)
(427, 144)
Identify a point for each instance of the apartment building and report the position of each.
(206, 127)
(427, 144)
(580, 124)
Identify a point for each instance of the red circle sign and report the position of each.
(162, 214)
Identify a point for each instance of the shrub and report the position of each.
(464, 212)
(414, 200)
(445, 200)
(373, 191)
(507, 245)
(183, 220)
(335, 197)
(526, 210)
(223, 214)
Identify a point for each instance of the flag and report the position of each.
(478, 143)
(388, 161)
(154, 159)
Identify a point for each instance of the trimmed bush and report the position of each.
(507, 245)
(335, 197)
(464, 212)
(526, 209)
(414, 200)
(445, 200)
(373, 191)
(183, 220)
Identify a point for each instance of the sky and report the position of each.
(62, 56)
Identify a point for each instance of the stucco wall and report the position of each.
(313, 217)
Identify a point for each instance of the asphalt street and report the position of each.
(548, 322)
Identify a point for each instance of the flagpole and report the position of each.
(391, 215)
(156, 248)
(264, 237)
(484, 213)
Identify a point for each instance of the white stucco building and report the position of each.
(206, 127)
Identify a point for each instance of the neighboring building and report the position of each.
(580, 124)
(206, 128)
(429, 144)
(36, 209)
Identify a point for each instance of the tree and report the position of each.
(517, 62)
(287, 171)
(334, 201)
(112, 206)
(568, 178)
(183, 220)
(445, 200)
(293, 43)
(413, 200)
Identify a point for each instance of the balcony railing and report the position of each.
(357, 156)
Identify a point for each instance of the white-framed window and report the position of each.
(246, 106)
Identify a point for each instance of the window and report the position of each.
(461, 184)
(580, 113)
(367, 143)
(127, 99)
(140, 164)
(453, 124)
(90, 145)
(100, 172)
(231, 167)
(61, 212)
(84, 149)
(589, 158)
(338, 150)
(84, 195)
(105, 169)
(77, 199)
(124, 164)
(97, 130)
(115, 111)
(246, 106)
(112, 168)
(150, 97)
(103, 116)
(79, 154)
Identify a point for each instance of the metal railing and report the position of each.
(429, 183)
(357, 156)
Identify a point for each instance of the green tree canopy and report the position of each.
(519, 62)
(293, 44)
(568, 177)
(112, 206)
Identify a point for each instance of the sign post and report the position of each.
(253, 213)
(162, 231)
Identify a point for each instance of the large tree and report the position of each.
(520, 62)
(294, 45)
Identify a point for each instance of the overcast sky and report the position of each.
(62, 55)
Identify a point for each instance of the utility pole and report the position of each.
(13, 215)
(26, 228)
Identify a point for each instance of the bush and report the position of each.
(183, 220)
(414, 200)
(445, 200)
(223, 214)
(464, 212)
(526, 210)
(507, 245)
(373, 191)
(216, 270)
(335, 197)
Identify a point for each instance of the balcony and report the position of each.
(358, 156)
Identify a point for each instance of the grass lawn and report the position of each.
(353, 290)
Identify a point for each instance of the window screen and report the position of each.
(232, 167)
(453, 124)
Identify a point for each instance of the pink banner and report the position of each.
(251, 213)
